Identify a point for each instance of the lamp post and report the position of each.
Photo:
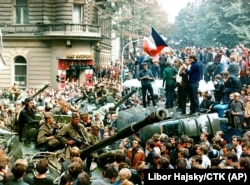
(124, 47)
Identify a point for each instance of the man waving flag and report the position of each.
(154, 44)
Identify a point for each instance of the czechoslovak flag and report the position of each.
(154, 44)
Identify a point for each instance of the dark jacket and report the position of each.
(194, 73)
(233, 82)
(26, 116)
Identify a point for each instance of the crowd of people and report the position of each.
(123, 161)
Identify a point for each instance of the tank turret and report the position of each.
(155, 116)
(126, 97)
(41, 90)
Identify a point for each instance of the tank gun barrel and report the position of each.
(157, 115)
(123, 99)
(41, 90)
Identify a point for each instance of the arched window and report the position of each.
(21, 71)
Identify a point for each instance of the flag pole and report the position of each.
(122, 58)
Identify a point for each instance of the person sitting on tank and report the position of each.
(207, 103)
(116, 96)
(73, 134)
(100, 95)
(8, 118)
(46, 138)
(94, 135)
(64, 109)
(27, 117)
(85, 120)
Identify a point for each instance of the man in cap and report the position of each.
(46, 137)
(146, 77)
(85, 120)
(73, 134)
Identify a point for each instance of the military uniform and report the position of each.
(44, 132)
(69, 132)
(85, 121)
(93, 139)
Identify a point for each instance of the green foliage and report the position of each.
(214, 23)
(134, 18)
(207, 23)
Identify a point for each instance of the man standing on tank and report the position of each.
(194, 74)
(146, 77)
(169, 84)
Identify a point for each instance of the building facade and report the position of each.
(52, 41)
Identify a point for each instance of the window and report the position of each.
(21, 71)
(95, 17)
(21, 11)
(77, 14)
(77, 17)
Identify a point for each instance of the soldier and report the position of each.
(94, 136)
(85, 120)
(46, 138)
(73, 134)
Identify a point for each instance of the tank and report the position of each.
(127, 130)
(41, 90)
(112, 107)
(24, 95)
(173, 124)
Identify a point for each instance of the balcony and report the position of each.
(70, 30)
(53, 30)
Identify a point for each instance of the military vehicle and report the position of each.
(15, 150)
(129, 121)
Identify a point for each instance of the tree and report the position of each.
(133, 19)
(214, 23)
